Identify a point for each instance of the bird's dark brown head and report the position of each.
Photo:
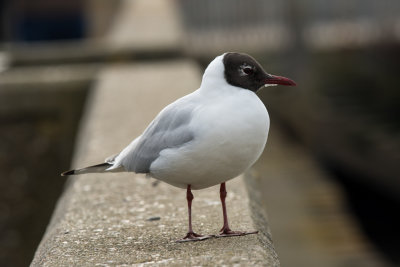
(243, 71)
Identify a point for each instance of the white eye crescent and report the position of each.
(246, 70)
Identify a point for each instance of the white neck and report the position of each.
(214, 76)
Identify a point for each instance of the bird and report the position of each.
(204, 138)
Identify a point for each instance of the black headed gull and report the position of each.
(206, 137)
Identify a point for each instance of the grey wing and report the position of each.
(169, 129)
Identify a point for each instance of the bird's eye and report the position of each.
(248, 70)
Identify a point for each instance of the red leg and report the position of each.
(191, 236)
(222, 195)
(225, 230)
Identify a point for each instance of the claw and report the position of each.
(226, 232)
(191, 236)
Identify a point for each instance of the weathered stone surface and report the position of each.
(104, 219)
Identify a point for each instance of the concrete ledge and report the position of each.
(108, 220)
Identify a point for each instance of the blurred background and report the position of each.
(330, 176)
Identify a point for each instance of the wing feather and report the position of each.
(169, 129)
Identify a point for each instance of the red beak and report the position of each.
(272, 79)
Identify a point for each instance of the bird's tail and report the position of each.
(99, 168)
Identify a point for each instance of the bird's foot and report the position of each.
(191, 236)
(226, 232)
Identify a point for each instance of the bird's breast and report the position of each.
(229, 137)
(235, 131)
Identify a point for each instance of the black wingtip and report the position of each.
(71, 172)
